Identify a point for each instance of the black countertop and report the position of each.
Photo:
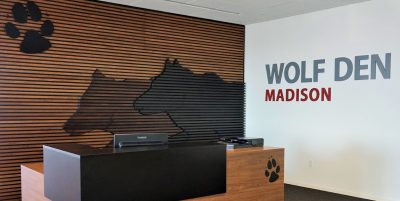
(86, 150)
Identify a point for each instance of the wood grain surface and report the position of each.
(40, 92)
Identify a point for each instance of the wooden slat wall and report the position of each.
(39, 93)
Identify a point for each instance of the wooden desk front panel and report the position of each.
(246, 178)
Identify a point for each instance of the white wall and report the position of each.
(352, 144)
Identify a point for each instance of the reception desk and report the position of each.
(251, 174)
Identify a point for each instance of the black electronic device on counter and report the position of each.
(242, 142)
(74, 172)
(137, 139)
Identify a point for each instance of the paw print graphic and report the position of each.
(272, 171)
(34, 41)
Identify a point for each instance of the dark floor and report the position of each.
(296, 193)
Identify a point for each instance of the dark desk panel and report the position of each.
(181, 171)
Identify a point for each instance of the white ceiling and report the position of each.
(238, 11)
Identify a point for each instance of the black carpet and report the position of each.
(296, 193)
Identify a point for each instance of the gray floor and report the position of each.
(296, 193)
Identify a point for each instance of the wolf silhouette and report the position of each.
(107, 105)
(200, 104)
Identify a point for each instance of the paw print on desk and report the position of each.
(272, 170)
(34, 41)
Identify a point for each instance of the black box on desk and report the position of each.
(74, 172)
